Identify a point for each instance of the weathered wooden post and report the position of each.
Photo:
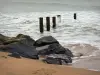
(75, 16)
(54, 22)
(48, 23)
(41, 24)
(59, 18)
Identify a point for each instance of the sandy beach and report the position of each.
(24, 66)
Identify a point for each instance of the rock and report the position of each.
(4, 48)
(45, 41)
(25, 39)
(21, 44)
(9, 41)
(15, 54)
(69, 53)
(23, 50)
(43, 50)
(20, 36)
(58, 59)
(53, 49)
(1, 43)
(3, 38)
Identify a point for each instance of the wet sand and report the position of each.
(91, 63)
(23, 66)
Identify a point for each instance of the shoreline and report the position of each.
(87, 56)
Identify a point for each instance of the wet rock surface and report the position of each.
(54, 49)
(58, 59)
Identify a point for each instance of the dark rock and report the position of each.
(9, 41)
(69, 53)
(15, 54)
(3, 38)
(23, 50)
(45, 41)
(53, 49)
(26, 39)
(57, 49)
(20, 36)
(1, 43)
(43, 50)
(21, 44)
(4, 48)
(58, 59)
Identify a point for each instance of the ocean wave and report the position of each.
(85, 49)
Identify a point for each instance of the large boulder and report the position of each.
(45, 41)
(3, 38)
(53, 49)
(58, 59)
(23, 50)
(25, 39)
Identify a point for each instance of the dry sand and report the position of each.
(23, 66)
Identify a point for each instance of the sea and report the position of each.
(81, 36)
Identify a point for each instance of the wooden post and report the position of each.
(41, 24)
(75, 16)
(54, 22)
(59, 18)
(48, 23)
